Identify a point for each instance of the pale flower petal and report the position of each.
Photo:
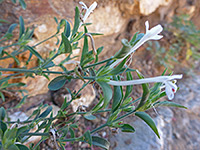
(147, 26)
(88, 11)
(84, 6)
(170, 87)
(151, 34)
(157, 37)
(169, 92)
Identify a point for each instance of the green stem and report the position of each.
(35, 134)
(44, 40)
(29, 71)
(28, 121)
(48, 61)
(98, 63)
(106, 124)
(68, 140)
(123, 116)
(99, 128)
(19, 52)
(14, 44)
(84, 85)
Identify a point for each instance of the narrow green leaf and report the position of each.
(88, 137)
(3, 126)
(2, 113)
(15, 58)
(9, 34)
(2, 96)
(117, 97)
(57, 83)
(49, 65)
(67, 29)
(46, 112)
(98, 141)
(77, 37)
(72, 132)
(10, 134)
(118, 69)
(94, 34)
(1, 51)
(107, 92)
(76, 21)
(14, 1)
(138, 37)
(34, 52)
(13, 147)
(133, 38)
(127, 128)
(23, 4)
(113, 115)
(157, 97)
(67, 45)
(146, 92)
(38, 143)
(29, 34)
(124, 50)
(1, 136)
(64, 105)
(56, 20)
(130, 87)
(11, 28)
(22, 147)
(146, 118)
(99, 105)
(85, 48)
(89, 116)
(168, 104)
(4, 21)
(126, 101)
(21, 26)
(23, 129)
(103, 71)
(129, 108)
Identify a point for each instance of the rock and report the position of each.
(144, 138)
(186, 124)
(149, 6)
(18, 115)
(106, 20)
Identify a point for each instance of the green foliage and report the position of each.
(57, 83)
(127, 128)
(21, 2)
(116, 101)
(117, 96)
(107, 91)
(97, 141)
(146, 118)
(146, 92)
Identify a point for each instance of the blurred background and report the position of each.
(179, 51)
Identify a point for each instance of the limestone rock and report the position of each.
(107, 20)
(149, 6)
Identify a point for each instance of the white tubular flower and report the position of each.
(88, 11)
(151, 34)
(170, 87)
